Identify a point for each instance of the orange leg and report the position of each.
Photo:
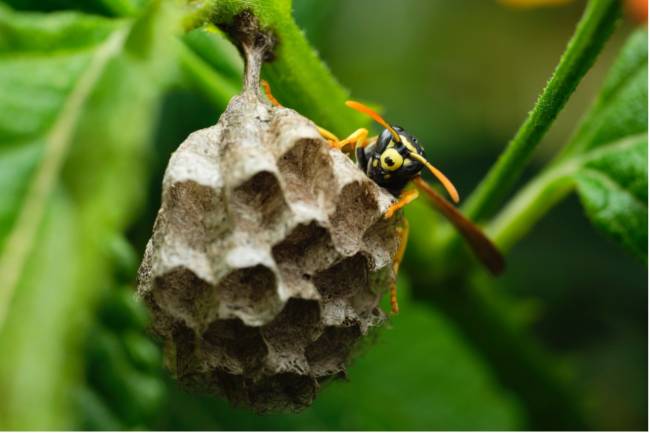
(397, 260)
(357, 138)
(327, 135)
(404, 199)
(269, 95)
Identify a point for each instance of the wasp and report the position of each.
(393, 160)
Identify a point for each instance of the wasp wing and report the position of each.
(482, 247)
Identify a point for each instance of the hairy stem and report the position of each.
(299, 78)
(594, 29)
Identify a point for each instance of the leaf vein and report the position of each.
(21, 238)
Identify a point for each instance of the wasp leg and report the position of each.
(404, 199)
(356, 139)
(403, 232)
(328, 136)
(269, 95)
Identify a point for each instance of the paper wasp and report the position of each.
(393, 160)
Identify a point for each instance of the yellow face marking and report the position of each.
(375, 162)
(391, 160)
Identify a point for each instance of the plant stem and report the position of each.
(305, 83)
(544, 192)
(530, 205)
(595, 27)
(299, 78)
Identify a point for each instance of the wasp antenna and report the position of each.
(451, 189)
(376, 117)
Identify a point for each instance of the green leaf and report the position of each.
(606, 160)
(613, 180)
(613, 188)
(78, 97)
(106, 7)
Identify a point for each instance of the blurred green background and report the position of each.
(461, 76)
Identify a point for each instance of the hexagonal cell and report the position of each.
(249, 294)
(356, 210)
(286, 391)
(381, 242)
(328, 355)
(282, 392)
(287, 336)
(345, 279)
(195, 211)
(258, 204)
(308, 248)
(180, 351)
(306, 171)
(183, 295)
(296, 326)
(233, 347)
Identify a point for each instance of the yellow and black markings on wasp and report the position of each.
(393, 160)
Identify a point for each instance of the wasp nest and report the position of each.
(268, 257)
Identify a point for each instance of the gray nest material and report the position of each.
(268, 257)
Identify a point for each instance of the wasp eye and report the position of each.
(391, 160)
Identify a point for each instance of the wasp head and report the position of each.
(391, 163)
(396, 157)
